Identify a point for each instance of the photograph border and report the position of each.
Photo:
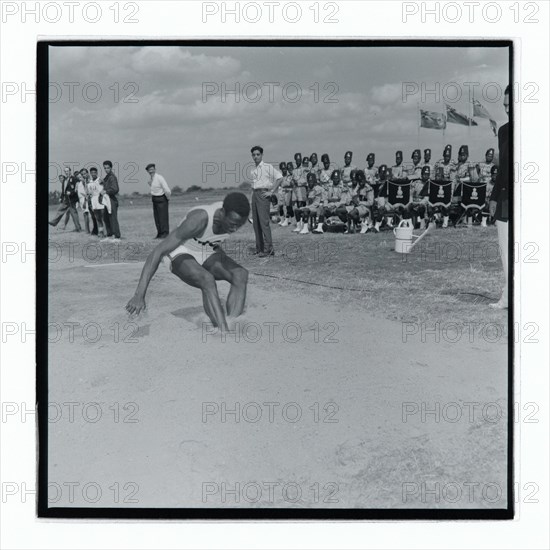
(42, 286)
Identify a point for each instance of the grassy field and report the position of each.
(378, 350)
(451, 276)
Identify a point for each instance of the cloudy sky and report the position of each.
(135, 105)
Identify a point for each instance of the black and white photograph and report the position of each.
(273, 279)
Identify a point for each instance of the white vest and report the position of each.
(198, 244)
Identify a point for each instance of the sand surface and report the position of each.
(346, 395)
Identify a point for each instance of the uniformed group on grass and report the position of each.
(318, 197)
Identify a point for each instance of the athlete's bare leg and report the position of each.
(190, 272)
(224, 268)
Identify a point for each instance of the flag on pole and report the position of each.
(433, 120)
(458, 118)
(479, 110)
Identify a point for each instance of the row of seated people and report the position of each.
(378, 199)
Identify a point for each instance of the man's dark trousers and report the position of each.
(111, 220)
(67, 207)
(261, 221)
(160, 213)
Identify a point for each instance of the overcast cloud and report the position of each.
(153, 109)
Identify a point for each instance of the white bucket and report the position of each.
(403, 237)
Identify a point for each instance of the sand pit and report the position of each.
(331, 407)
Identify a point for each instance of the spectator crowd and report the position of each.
(317, 197)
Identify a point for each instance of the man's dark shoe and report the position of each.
(266, 254)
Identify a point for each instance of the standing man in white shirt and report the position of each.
(160, 194)
(265, 182)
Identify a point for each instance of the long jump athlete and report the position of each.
(192, 252)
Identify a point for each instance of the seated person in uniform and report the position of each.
(332, 197)
(314, 199)
(301, 192)
(415, 172)
(281, 195)
(288, 191)
(382, 208)
(393, 210)
(325, 181)
(344, 207)
(299, 189)
(345, 172)
(314, 165)
(325, 173)
(484, 168)
(362, 202)
(371, 171)
(466, 173)
(417, 208)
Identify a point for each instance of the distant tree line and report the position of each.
(55, 196)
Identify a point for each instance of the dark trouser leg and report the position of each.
(61, 211)
(162, 209)
(67, 216)
(156, 215)
(74, 216)
(95, 228)
(263, 219)
(113, 218)
(87, 221)
(107, 221)
(256, 224)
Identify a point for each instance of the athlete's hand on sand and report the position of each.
(135, 305)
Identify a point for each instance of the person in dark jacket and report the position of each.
(110, 187)
(69, 198)
(500, 199)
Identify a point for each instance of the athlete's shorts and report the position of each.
(200, 253)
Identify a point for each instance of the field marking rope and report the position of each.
(309, 282)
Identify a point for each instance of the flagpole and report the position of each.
(445, 127)
(419, 124)
(470, 115)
